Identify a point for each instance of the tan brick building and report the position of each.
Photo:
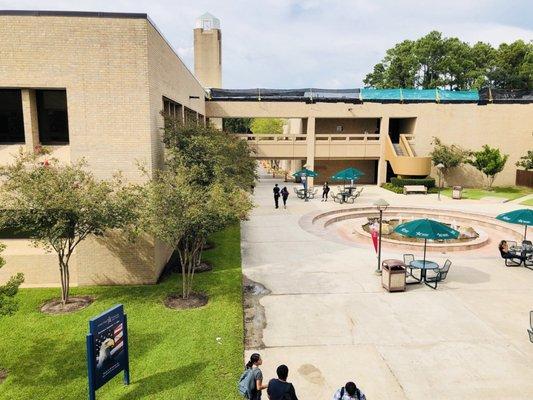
(90, 85)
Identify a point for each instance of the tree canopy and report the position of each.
(526, 161)
(60, 205)
(267, 126)
(202, 189)
(490, 161)
(434, 61)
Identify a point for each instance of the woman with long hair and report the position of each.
(254, 363)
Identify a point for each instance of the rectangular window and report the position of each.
(190, 116)
(11, 118)
(52, 115)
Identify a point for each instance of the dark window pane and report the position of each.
(11, 119)
(53, 118)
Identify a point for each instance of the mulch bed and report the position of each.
(195, 300)
(3, 375)
(55, 306)
(203, 267)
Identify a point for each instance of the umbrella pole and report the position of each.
(425, 243)
(525, 231)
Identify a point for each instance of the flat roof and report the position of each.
(89, 14)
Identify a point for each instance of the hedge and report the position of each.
(401, 182)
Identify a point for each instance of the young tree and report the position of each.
(526, 161)
(202, 189)
(267, 126)
(237, 125)
(489, 161)
(451, 156)
(61, 205)
(8, 302)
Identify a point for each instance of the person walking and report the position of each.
(284, 196)
(276, 195)
(280, 389)
(254, 364)
(325, 191)
(349, 392)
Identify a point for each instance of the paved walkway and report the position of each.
(330, 321)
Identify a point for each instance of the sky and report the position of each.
(313, 43)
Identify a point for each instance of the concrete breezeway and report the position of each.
(330, 321)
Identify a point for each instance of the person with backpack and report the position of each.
(284, 195)
(280, 389)
(250, 383)
(349, 392)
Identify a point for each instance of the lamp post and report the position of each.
(381, 205)
(440, 167)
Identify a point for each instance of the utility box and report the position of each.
(393, 275)
(457, 192)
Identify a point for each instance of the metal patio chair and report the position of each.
(441, 274)
(407, 258)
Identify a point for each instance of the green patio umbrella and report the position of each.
(351, 174)
(426, 229)
(305, 172)
(523, 216)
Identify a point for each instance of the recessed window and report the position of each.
(191, 116)
(52, 116)
(11, 118)
(172, 109)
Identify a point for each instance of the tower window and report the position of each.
(52, 116)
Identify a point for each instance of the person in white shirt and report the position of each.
(349, 392)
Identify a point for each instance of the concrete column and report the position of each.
(382, 164)
(310, 140)
(31, 123)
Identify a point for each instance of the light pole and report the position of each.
(440, 167)
(381, 205)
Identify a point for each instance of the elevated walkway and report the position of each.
(341, 146)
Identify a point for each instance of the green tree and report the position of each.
(267, 126)
(526, 161)
(489, 161)
(451, 156)
(237, 125)
(202, 189)
(434, 61)
(513, 67)
(61, 205)
(8, 302)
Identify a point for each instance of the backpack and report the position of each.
(246, 383)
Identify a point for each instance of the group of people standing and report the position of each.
(279, 389)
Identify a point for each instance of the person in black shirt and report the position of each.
(276, 195)
(280, 389)
(284, 196)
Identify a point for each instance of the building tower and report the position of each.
(208, 51)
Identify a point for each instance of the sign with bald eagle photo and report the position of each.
(107, 348)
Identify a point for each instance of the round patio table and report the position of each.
(423, 266)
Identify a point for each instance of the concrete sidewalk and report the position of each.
(330, 321)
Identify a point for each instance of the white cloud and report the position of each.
(312, 43)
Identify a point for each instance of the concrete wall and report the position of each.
(506, 126)
(208, 57)
(115, 72)
(350, 125)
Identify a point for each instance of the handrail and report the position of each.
(406, 146)
(320, 138)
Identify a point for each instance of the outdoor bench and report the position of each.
(415, 189)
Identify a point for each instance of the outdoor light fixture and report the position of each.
(381, 205)
(440, 167)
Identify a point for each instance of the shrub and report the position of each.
(401, 182)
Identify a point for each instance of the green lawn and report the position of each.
(173, 354)
(528, 202)
(506, 192)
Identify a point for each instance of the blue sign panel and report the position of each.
(107, 348)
